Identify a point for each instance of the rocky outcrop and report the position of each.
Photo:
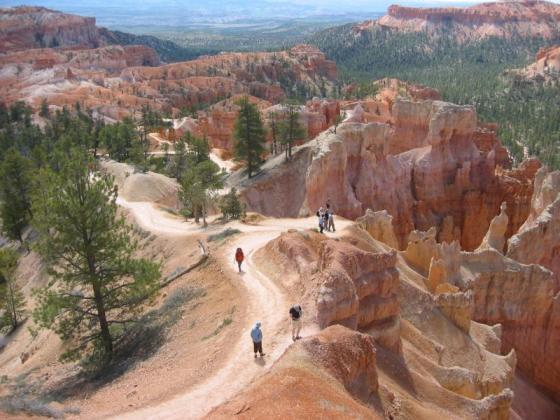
(332, 374)
(538, 240)
(136, 186)
(521, 299)
(339, 282)
(117, 81)
(457, 307)
(110, 59)
(495, 237)
(359, 289)
(498, 19)
(379, 225)
(23, 28)
(422, 167)
(545, 70)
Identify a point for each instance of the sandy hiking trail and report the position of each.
(266, 302)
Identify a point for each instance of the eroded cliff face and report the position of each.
(217, 123)
(23, 28)
(538, 240)
(363, 284)
(498, 19)
(117, 81)
(423, 167)
(490, 288)
(545, 70)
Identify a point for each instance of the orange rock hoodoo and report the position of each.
(422, 165)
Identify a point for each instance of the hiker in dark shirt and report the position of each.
(295, 314)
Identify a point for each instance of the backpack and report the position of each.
(318, 215)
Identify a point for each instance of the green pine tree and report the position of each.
(11, 298)
(180, 160)
(199, 186)
(249, 136)
(274, 131)
(97, 284)
(231, 206)
(199, 149)
(15, 191)
(290, 129)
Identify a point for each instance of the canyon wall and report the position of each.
(423, 167)
(23, 28)
(538, 19)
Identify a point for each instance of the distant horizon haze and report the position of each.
(189, 13)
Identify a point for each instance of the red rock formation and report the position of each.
(538, 240)
(112, 59)
(359, 289)
(545, 70)
(321, 376)
(520, 298)
(423, 167)
(502, 19)
(196, 83)
(339, 283)
(23, 28)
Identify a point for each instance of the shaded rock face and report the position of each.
(327, 375)
(358, 289)
(348, 356)
(24, 28)
(495, 237)
(423, 168)
(380, 226)
(538, 240)
(498, 19)
(340, 283)
(521, 299)
(485, 286)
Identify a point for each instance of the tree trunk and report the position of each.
(103, 324)
(12, 304)
(106, 338)
(204, 224)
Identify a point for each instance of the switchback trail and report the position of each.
(266, 302)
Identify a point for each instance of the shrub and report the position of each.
(231, 206)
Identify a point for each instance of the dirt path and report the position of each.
(266, 302)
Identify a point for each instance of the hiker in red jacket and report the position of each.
(239, 257)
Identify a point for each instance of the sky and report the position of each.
(138, 13)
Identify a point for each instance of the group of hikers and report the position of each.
(257, 336)
(256, 333)
(326, 221)
(326, 218)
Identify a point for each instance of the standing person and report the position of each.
(295, 313)
(330, 213)
(239, 257)
(326, 220)
(256, 336)
(321, 216)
